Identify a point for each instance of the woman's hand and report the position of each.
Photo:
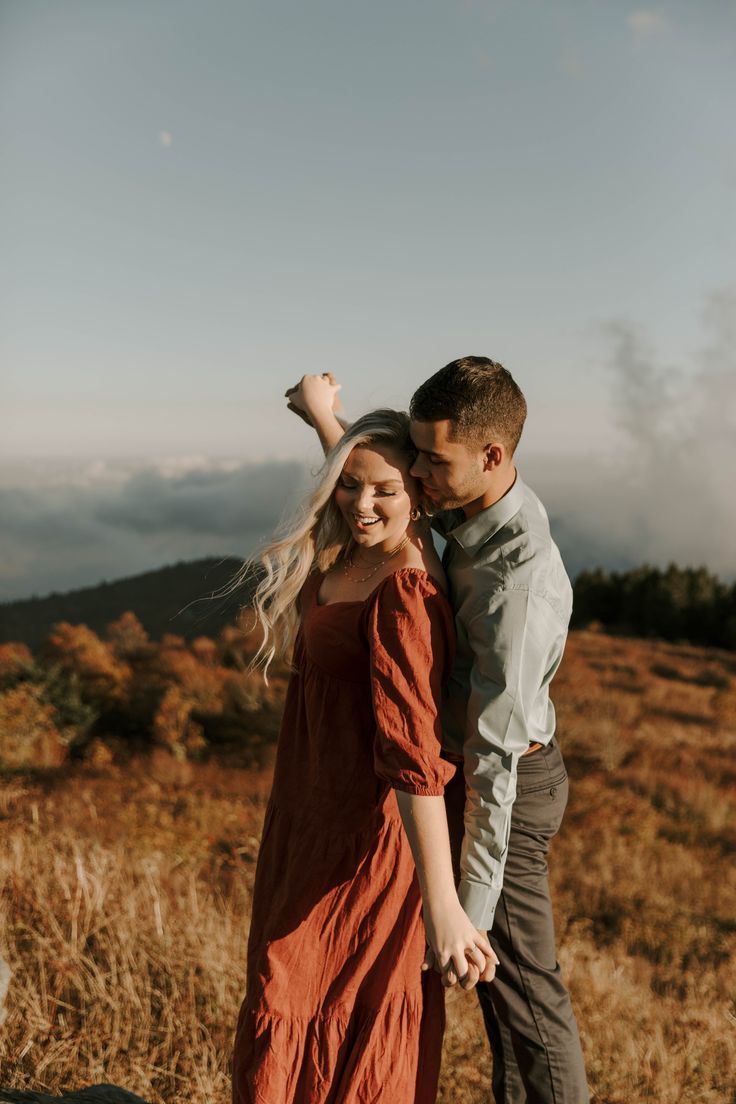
(313, 397)
(458, 950)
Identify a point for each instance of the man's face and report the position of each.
(451, 473)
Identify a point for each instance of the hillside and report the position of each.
(126, 893)
(158, 597)
(673, 604)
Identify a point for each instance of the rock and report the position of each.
(94, 1094)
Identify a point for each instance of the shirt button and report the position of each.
(553, 791)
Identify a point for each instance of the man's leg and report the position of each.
(537, 1058)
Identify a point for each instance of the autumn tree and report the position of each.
(676, 604)
(127, 637)
(104, 679)
(29, 736)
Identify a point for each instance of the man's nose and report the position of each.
(417, 470)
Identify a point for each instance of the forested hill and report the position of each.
(158, 598)
(681, 604)
(678, 604)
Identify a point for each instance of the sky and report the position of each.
(200, 202)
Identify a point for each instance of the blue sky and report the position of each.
(199, 202)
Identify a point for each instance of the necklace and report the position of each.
(347, 563)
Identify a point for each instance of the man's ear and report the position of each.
(494, 455)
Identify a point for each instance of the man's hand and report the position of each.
(472, 975)
(314, 395)
(457, 950)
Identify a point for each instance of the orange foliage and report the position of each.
(28, 735)
(137, 907)
(173, 724)
(238, 644)
(245, 691)
(184, 696)
(200, 682)
(77, 649)
(13, 658)
(206, 651)
(126, 636)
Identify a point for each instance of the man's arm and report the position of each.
(512, 639)
(315, 400)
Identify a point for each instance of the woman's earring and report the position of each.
(416, 513)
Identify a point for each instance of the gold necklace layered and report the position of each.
(348, 565)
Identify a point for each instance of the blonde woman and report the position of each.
(338, 1007)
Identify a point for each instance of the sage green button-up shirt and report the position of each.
(512, 600)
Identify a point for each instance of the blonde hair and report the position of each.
(316, 537)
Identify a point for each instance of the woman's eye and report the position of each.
(386, 494)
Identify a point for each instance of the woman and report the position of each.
(338, 1009)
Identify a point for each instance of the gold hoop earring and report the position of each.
(415, 514)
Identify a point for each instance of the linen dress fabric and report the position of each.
(337, 1008)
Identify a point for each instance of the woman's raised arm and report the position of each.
(315, 400)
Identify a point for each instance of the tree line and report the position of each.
(683, 604)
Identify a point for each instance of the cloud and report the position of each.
(668, 494)
(665, 495)
(646, 21)
(72, 524)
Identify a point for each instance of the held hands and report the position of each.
(314, 395)
(456, 949)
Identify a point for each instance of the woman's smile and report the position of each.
(362, 522)
(373, 497)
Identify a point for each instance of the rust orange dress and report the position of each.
(337, 1009)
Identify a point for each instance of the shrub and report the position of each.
(127, 637)
(104, 679)
(28, 735)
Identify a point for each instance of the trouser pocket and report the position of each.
(541, 795)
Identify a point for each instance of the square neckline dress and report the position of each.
(337, 1008)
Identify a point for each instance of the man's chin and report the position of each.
(444, 504)
(432, 503)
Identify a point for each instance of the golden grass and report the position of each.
(126, 888)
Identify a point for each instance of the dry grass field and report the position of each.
(126, 886)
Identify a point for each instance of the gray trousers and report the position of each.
(537, 1058)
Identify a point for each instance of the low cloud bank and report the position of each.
(666, 495)
(74, 524)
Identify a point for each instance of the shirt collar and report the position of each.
(475, 531)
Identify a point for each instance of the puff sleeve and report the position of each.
(411, 636)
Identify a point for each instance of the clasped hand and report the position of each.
(456, 949)
(314, 394)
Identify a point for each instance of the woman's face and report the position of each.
(375, 494)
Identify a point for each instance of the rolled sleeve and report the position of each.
(510, 641)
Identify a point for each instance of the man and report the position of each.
(512, 601)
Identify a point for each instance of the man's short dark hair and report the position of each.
(478, 396)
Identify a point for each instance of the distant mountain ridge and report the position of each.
(679, 604)
(171, 599)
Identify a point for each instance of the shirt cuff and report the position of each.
(479, 902)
